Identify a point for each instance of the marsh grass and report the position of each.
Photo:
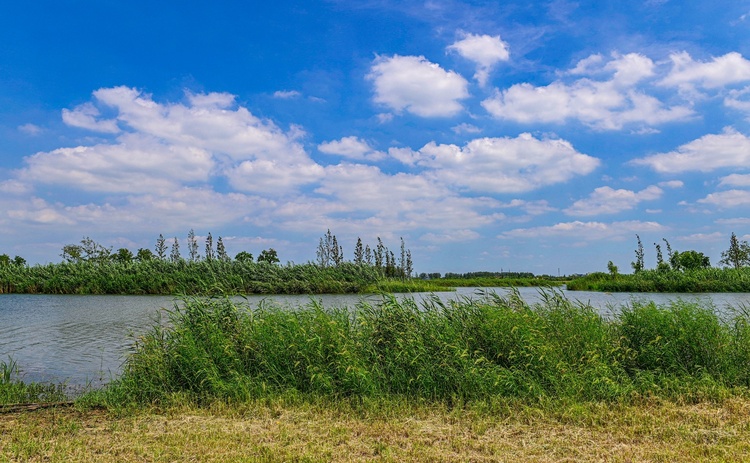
(14, 391)
(691, 281)
(471, 350)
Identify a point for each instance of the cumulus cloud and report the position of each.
(728, 199)
(710, 152)
(606, 200)
(170, 144)
(586, 230)
(484, 50)
(607, 104)
(728, 69)
(415, 85)
(503, 165)
(352, 148)
(85, 116)
(735, 180)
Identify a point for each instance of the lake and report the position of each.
(83, 340)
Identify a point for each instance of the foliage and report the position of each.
(13, 390)
(738, 254)
(687, 281)
(461, 351)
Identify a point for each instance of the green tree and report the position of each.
(221, 251)
(94, 252)
(268, 255)
(161, 247)
(209, 247)
(612, 268)
(243, 256)
(72, 253)
(144, 255)
(19, 261)
(359, 252)
(174, 254)
(692, 260)
(4, 260)
(192, 243)
(738, 254)
(638, 265)
(123, 256)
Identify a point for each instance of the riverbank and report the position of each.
(651, 430)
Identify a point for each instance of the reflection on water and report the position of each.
(83, 339)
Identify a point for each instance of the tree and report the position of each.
(144, 255)
(93, 251)
(380, 252)
(174, 255)
(4, 260)
(243, 256)
(123, 256)
(19, 261)
(161, 247)
(409, 264)
(192, 246)
(402, 259)
(612, 268)
(692, 260)
(72, 253)
(359, 252)
(368, 255)
(638, 265)
(738, 254)
(660, 264)
(268, 255)
(221, 252)
(337, 252)
(209, 247)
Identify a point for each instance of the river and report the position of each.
(83, 340)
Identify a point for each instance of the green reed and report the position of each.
(14, 391)
(460, 351)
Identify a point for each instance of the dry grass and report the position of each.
(658, 431)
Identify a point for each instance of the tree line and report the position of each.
(331, 253)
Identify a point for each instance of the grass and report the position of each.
(718, 280)
(466, 351)
(277, 430)
(483, 379)
(13, 390)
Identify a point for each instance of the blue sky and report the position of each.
(514, 135)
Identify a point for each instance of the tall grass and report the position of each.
(13, 390)
(163, 277)
(692, 281)
(461, 351)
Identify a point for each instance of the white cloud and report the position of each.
(710, 152)
(485, 50)
(606, 200)
(85, 116)
(464, 128)
(455, 236)
(351, 148)
(30, 129)
(735, 180)
(287, 94)
(724, 70)
(135, 164)
(585, 230)
(504, 165)
(601, 104)
(413, 84)
(672, 184)
(727, 199)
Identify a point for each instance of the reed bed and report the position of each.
(202, 277)
(673, 281)
(464, 351)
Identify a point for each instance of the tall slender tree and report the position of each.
(209, 247)
(192, 243)
(174, 255)
(359, 252)
(221, 252)
(638, 265)
(161, 247)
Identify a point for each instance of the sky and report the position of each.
(536, 136)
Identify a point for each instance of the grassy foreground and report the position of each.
(276, 431)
